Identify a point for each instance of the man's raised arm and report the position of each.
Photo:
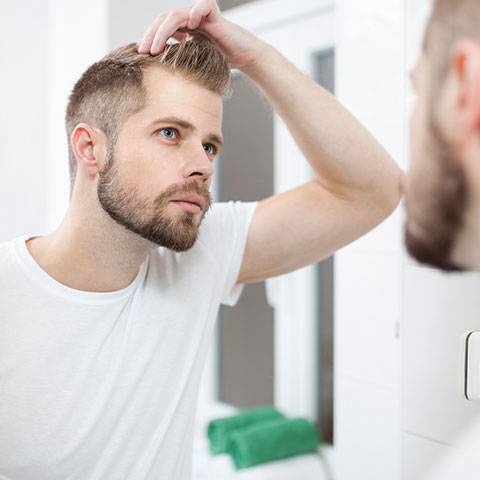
(358, 185)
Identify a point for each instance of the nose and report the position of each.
(198, 164)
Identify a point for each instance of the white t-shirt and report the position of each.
(103, 386)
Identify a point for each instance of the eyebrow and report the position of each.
(182, 123)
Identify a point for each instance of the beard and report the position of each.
(435, 220)
(150, 218)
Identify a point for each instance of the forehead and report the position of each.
(171, 93)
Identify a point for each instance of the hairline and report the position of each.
(145, 97)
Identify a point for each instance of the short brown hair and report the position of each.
(450, 21)
(112, 89)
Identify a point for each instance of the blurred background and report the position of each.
(365, 344)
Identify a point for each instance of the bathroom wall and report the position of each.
(77, 36)
(398, 326)
(368, 275)
(23, 191)
(398, 407)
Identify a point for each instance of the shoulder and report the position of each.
(7, 248)
(10, 260)
(6, 244)
(222, 232)
(226, 219)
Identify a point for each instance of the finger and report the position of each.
(147, 39)
(179, 36)
(200, 11)
(174, 21)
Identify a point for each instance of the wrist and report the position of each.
(261, 54)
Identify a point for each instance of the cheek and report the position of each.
(151, 173)
(147, 164)
(132, 172)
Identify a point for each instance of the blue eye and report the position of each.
(209, 148)
(168, 132)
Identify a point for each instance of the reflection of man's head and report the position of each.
(161, 117)
(439, 197)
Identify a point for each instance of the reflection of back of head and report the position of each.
(450, 21)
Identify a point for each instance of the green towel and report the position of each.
(272, 440)
(219, 430)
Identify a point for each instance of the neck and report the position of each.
(466, 251)
(89, 251)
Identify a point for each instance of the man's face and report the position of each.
(436, 189)
(157, 175)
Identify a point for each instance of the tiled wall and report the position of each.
(399, 407)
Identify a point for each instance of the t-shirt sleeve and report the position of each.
(224, 235)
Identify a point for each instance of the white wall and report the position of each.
(77, 38)
(23, 192)
(128, 19)
(368, 273)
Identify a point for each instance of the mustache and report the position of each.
(177, 190)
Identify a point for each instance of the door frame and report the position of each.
(297, 30)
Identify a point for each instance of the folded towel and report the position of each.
(219, 430)
(272, 440)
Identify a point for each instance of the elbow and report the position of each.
(393, 194)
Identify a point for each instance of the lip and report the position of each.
(194, 199)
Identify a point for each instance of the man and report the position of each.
(443, 184)
(442, 228)
(105, 323)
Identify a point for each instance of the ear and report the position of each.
(466, 80)
(89, 146)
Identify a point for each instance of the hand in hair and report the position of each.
(241, 47)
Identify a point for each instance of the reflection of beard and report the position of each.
(149, 218)
(431, 238)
